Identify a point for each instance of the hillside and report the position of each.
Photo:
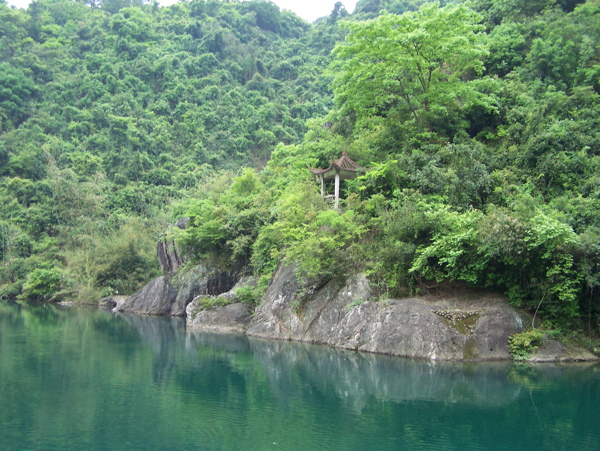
(478, 121)
(110, 111)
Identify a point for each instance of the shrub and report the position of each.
(522, 344)
(43, 284)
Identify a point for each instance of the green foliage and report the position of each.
(120, 262)
(126, 261)
(532, 259)
(209, 302)
(16, 89)
(479, 129)
(247, 295)
(320, 247)
(522, 344)
(450, 255)
(410, 65)
(110, 114)
(43, 284)
(253, 293)
(507, 44)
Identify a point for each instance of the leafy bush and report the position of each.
(208, 302)
(522, 344)
(43, 284)
(530, 258)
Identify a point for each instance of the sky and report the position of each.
(309, 10)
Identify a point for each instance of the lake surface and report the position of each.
(88, 379)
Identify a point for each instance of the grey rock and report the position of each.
(555, 351)
(231, 318)
(344, 315)
(107, 302)
(170, 294)
(159, 297)
(169, 256)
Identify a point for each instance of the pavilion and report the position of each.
(342, 169)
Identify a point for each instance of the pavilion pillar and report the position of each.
(337, 188)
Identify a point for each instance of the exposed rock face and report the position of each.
(175, 289)
(107, 302)
(169, 257)
(158, 297)
(231, 316)
(342, 315)
(555, 351)
(169, 295)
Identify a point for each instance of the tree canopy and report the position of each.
(412, 65)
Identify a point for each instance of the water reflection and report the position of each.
(90, 379)
(354, 376)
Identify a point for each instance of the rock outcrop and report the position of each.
(169, 256)
(230, 318)
(345, 315)
(170, 294)
(464, 326)
(555, 351)
(222, 314)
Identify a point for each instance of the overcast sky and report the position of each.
(309, 10)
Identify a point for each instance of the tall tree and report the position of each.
(415, 63)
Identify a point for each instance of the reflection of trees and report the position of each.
(97, 379)
(163, 335)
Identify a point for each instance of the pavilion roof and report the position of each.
(346, 166)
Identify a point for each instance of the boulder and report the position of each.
(158, 297)
(227, 316)
(170, 294)
(108, 302)
(555, 351)
(230, 318)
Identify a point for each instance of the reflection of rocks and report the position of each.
(235, 343)
(359, 377)
(160, 333)
(202, 349)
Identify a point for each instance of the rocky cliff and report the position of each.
(170, 293)
(344, 313)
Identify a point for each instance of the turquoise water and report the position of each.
(88, 379)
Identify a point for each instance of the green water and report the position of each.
(87, 379)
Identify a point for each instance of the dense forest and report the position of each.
(478, 121)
